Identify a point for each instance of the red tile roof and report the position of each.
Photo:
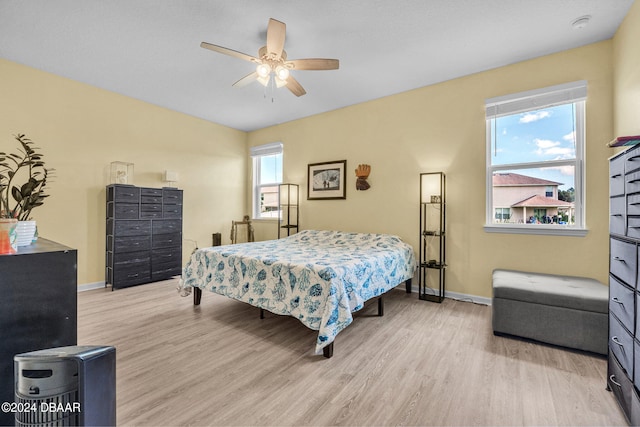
(541, 201)
(513, 179)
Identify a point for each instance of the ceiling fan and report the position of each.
(272, 61)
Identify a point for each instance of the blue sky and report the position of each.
(271, 169)
(534, 136)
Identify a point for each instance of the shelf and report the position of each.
(436, 266)
(432, 257)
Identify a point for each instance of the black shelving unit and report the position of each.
(288, 209)
(432, 277)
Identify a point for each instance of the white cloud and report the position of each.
(548, 147)
(534, 117)
(571, 136)
(545, 143)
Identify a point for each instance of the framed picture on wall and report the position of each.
(327, 180)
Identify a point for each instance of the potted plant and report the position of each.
(23, 179)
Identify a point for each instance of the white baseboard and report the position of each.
(462, 297)
(90, 286)
(447, 294)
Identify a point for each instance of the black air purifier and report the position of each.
(66, 386)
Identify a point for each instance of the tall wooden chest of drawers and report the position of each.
(144, 234)
(623, 376)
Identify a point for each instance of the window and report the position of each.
(267, 175)
(535, 156)
(503, 214)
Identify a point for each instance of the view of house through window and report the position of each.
(267, 175)
(534, 159)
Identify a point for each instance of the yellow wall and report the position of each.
(81, 130)
(626, 59)
(442, 128)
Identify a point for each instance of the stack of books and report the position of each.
(622, 141)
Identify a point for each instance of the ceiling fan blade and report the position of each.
(275, 37)
(313, 64)
(230, 52)
(246, 79)
(295, 87)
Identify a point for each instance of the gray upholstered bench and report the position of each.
(562, 310)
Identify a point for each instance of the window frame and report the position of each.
(257, 153)
(569, 93)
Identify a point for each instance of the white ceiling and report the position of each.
(150, 49)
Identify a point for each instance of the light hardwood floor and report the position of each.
(421, 364)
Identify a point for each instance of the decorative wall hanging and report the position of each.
(362, 172)
(327, 180)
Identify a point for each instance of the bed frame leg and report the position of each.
(197, 296)
(380, 306)
(328, 351)
(408, 285)
(262, 313)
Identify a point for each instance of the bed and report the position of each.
(318, 277)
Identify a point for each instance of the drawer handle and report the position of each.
(618, 175)
(616, 214)
(612, 379)
(616, 258)
(631, 181)
(632, 158)
(616, 300)
(616, 341)
(131, 276)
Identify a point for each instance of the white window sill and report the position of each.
(553, 230)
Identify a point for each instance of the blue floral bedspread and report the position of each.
(318, 277)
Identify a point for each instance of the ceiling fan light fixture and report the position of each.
(263, 70)
(280, 82)
(282, 73)
(264, 81)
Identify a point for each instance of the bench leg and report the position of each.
(408, 285)
(380, 306)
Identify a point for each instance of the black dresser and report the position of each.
(39, 306)
(144, 235)
(623, 376)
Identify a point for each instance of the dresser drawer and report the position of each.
(621, 345)
(124, 211)
(131, 258)
(635, 408)
(616, 176)
(166, 262)
(622, 302)
(167, 226)
(632, 182)
(131, 243)
(172, 211)
(623, 261)
(617, 219)
(131, 274)
(620, 384)
(632, 162)
(636, 362)
(151, 199)
(167, 255)
(153, 192)
(168, 240)
(126, 194)
(172, 197)
(633, 227)
(132, 228)
(152, 210)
